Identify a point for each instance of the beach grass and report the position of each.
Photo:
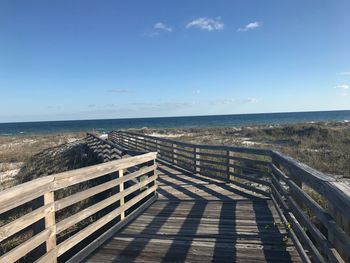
(324, 146)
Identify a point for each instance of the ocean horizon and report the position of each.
(232, 120)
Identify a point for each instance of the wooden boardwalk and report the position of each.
(228, 207)
(197, 219)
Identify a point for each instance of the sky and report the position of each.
(84, 59)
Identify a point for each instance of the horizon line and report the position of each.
(183, 116)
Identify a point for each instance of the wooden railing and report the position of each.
(79, 209)
(314, 206)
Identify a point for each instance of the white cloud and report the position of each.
(343, 87)
(250, 26)
(197, 91)
(345, 73)
(206, 23)
(162, 26)
(343, 94)
(157, 29)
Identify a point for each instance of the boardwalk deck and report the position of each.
(197, 219)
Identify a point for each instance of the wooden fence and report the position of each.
(315, 206)
(80, 208)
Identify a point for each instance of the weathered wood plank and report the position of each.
(24, 248)
(75, 239)
(69, 178)
(199, 229)
(72, 199)
(22, 222)
(10, 198)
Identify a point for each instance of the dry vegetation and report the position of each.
(16, 151)
(323, 146)
(38, 156)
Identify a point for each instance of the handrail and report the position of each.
(108, 150)
(93, 196)
(322, 229)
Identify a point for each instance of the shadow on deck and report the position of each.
(197, 219)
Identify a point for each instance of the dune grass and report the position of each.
(323, 146)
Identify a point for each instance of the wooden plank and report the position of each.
(121, 189)
(69, 178)
(305, 258)
(326, 246)
(23, 193)
(207, 147)
(212, 169)
(251, 178)
(24, 248)
(75, 218)
(306, 174)
(86, 251)
(24, 221)
(183, 149)
(75, 239)
(77, 197)
(297, 228)
(50, 222)
(319, 212)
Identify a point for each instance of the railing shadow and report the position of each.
(189, 227)
(152, 228)
(227, 223)
(207, 189)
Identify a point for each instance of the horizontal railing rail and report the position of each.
(107, 150)
(80, 209)
(315, 205)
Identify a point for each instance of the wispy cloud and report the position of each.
(251, 100)
(342, 87)
(158, 28)
(163, 27)
(344, 94)
(250, 26)
(196, 92)
(225, 101)
(151, 34)
(118, 90)
(206, 23)
(347, 73)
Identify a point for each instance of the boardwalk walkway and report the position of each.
(197, 219)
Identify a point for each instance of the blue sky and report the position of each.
(69, 59)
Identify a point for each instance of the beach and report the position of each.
(323, 146)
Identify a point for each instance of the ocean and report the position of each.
(237, 120)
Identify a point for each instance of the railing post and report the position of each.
(121, 190)
(155, 173)
(50, 222)
(174, 151)
(119, 137)
(157, 146)
(228, 161)
(197, 158)
(344, 224)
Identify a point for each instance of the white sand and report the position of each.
(169, 135)
(8, 175)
